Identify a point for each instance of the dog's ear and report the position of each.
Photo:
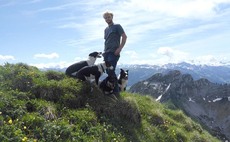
(93, 54)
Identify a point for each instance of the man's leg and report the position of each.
(113, 59)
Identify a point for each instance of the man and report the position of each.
(115, 39)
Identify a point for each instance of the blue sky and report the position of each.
(57, 33)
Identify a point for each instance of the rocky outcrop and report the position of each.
(201, 99)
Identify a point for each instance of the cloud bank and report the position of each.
(47, 56)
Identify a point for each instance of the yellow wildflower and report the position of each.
(24, 139)
(10, 121)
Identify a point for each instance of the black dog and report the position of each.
(74, 68)
(93, 72)
(108, 84)
(123, 79)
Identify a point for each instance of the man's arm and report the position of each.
(123, 41)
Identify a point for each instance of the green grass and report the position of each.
(38, 106)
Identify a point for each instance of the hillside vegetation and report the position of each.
(38, 106)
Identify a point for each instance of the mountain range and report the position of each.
(214, 73)
(201, 99)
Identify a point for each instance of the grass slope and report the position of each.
(38, 106)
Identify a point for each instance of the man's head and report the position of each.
(108, 16)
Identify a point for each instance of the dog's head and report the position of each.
(124, 74)
(95, 54)
(110, 81)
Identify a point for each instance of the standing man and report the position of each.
(115, 39)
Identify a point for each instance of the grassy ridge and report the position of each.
(48, 106)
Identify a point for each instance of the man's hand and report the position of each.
(123, 41)
(118, 51)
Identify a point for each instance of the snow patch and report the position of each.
(146, 83)
(167, 88)
(159, 98)
(218, 99)
(191, 100)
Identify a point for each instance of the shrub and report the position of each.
(156, 120)
(33, 121)
(175, 115)
(55, 91)
(50, 90)
(10, 133)
(54, 75)
(199, 138)
(72, 101)
(53, 107)
(175, 135)
(18, 77)
(11, 107)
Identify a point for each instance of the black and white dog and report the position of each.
(108, 84)
(123, 79)
(74, 68)
(93, 72)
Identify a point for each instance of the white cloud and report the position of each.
(6, 57)
(166, 51)
(179, 8)
(174, 56)
(208, 60)
(177, 56)
(131, 54)
(48, 56)
(71, 25)
(77, 59)
(172, 53)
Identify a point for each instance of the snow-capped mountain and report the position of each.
(215, 74)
